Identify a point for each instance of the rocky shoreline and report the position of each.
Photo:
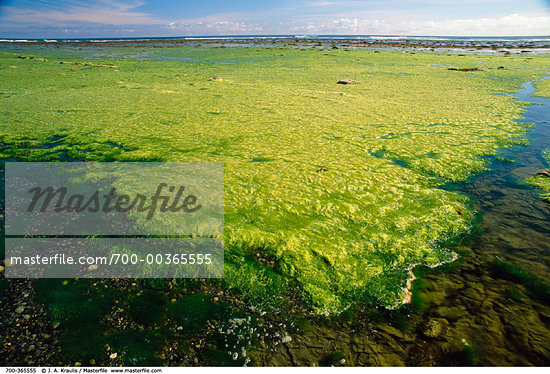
(329, 43)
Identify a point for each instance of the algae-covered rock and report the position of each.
(541, 179)
(436, 327)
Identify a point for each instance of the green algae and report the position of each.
(537, 286)
(333, 359)
(62, 296)
(148, 307)
(193, 312)
(136, 348)
(77, 307)
(385, 146)
(541, 182)
(80, 308)
(74, 348)
(543, 88)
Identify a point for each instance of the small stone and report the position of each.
(92, 267)
(112, 356)
(346, 81)
(20, 309)
(286, 339)
(436, 327)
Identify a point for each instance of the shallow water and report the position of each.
(467, 313)
(515, 219)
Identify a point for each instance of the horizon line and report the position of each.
(274, 35)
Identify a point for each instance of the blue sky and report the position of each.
(134, 18)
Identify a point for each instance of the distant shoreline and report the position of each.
(307, 41)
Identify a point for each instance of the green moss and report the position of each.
(256, 283)
(388, 145)
(83, 343)
(192, 312)
(77, 306)
(148, 307)
(136, 348)
(155, 283)
(70, 302)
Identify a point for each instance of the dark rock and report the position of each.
(464, 69)
(544, 173)
(346, 81)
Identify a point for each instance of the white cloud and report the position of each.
(114, 12)
(513, 24)
(510, 25)
(114, 17)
